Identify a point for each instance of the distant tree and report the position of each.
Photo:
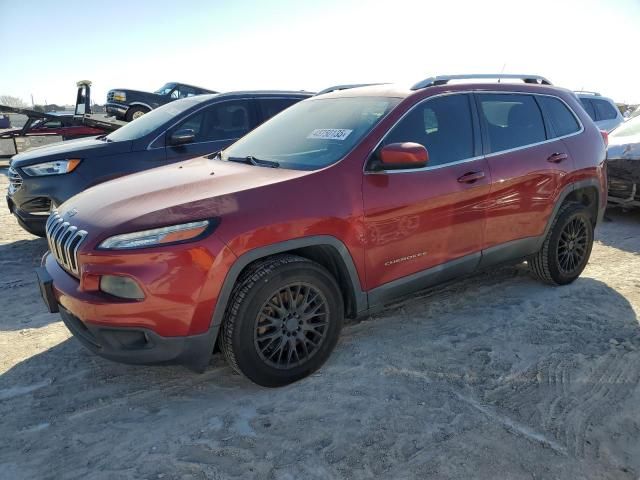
(14, 102)
(38, 108)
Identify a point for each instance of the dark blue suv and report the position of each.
(43, 178)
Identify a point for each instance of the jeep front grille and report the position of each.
(64, 240)
(15, 180)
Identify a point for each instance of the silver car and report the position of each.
(602, 110)
(623, 164)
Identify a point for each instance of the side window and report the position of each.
(561, 118)
(183, 91)
(588, 106)
(272, 106)
(228, 120)
(512, 120)
(443, 125)
(195, 123)
(604, 110)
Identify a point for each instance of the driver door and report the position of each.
(434, 216)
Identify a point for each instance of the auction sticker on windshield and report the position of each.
(330, 133)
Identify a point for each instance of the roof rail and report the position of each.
(444, 79)
(587, 92)
(346, 87)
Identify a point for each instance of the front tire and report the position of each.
(135, 112)
(567, 247)
(283, 320)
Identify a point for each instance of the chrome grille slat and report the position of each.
(15, 180)
(64, 241)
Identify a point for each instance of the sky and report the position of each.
(295, 44)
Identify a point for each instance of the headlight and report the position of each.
(156, 236)
(57, 167)
(119, 96)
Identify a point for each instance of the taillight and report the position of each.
(605, 137)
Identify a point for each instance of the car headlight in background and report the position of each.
(57, 167)
(119, 96)
(156, 236)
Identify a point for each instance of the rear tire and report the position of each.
(135, 112)
(283, 320)
(567, 247)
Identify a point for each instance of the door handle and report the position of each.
(471, 177)
(557, 157)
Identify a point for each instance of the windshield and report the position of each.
(627, 129)
(314, 133)
(149, 122)
(165, 89)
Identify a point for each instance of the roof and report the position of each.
(403, 91)
(530, 83)
(249, 93)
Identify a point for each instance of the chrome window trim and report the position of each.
(465, 160)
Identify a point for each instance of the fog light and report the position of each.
(123, 287)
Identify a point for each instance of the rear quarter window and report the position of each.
(604, 110)
(561, 118)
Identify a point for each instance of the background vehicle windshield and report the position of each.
(314, 133)
(165, 89)
(148, 122)
(627, 129)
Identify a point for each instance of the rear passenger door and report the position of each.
(216, 127)
(528, 161)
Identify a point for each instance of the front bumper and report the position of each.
(116, 109)
(173, 323)
(33, 222)
(133, 345)
(141, 346)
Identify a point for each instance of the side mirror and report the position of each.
(180, 137)
(398, 156)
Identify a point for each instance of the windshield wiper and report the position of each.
(251, 160)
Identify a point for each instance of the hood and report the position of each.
(178, 193)
(80, 148)
(128, 90)
(624, 147)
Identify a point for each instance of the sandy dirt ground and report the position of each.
(494, 376)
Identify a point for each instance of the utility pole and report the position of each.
(33, 104)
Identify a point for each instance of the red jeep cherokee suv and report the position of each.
(331, 209)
